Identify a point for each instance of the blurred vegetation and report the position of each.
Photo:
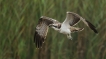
(18, 19)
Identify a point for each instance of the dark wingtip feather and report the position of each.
(92, 26)
(38, 40)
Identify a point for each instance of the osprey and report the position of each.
(65, 28)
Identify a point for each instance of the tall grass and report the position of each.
(19, 18)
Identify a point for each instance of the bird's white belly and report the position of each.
(65, 31)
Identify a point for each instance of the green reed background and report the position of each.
(18, 19)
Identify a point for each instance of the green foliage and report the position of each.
(18, 19)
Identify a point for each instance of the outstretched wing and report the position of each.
(42, 30)
(73, 18)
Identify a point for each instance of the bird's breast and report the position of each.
(65, 31)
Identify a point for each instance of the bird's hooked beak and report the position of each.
(54, 25)
(51, 25)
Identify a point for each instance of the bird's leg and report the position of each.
(75, 29)
(69, 36)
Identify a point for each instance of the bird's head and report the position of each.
(55, 26)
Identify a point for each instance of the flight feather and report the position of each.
(42, 30)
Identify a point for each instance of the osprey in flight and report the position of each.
(66, 27)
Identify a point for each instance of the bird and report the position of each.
(66, 27)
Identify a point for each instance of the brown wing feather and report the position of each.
(42, 30)
(72, 18)
(75, 21)
(92, 26)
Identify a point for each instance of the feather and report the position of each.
(42, 30)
